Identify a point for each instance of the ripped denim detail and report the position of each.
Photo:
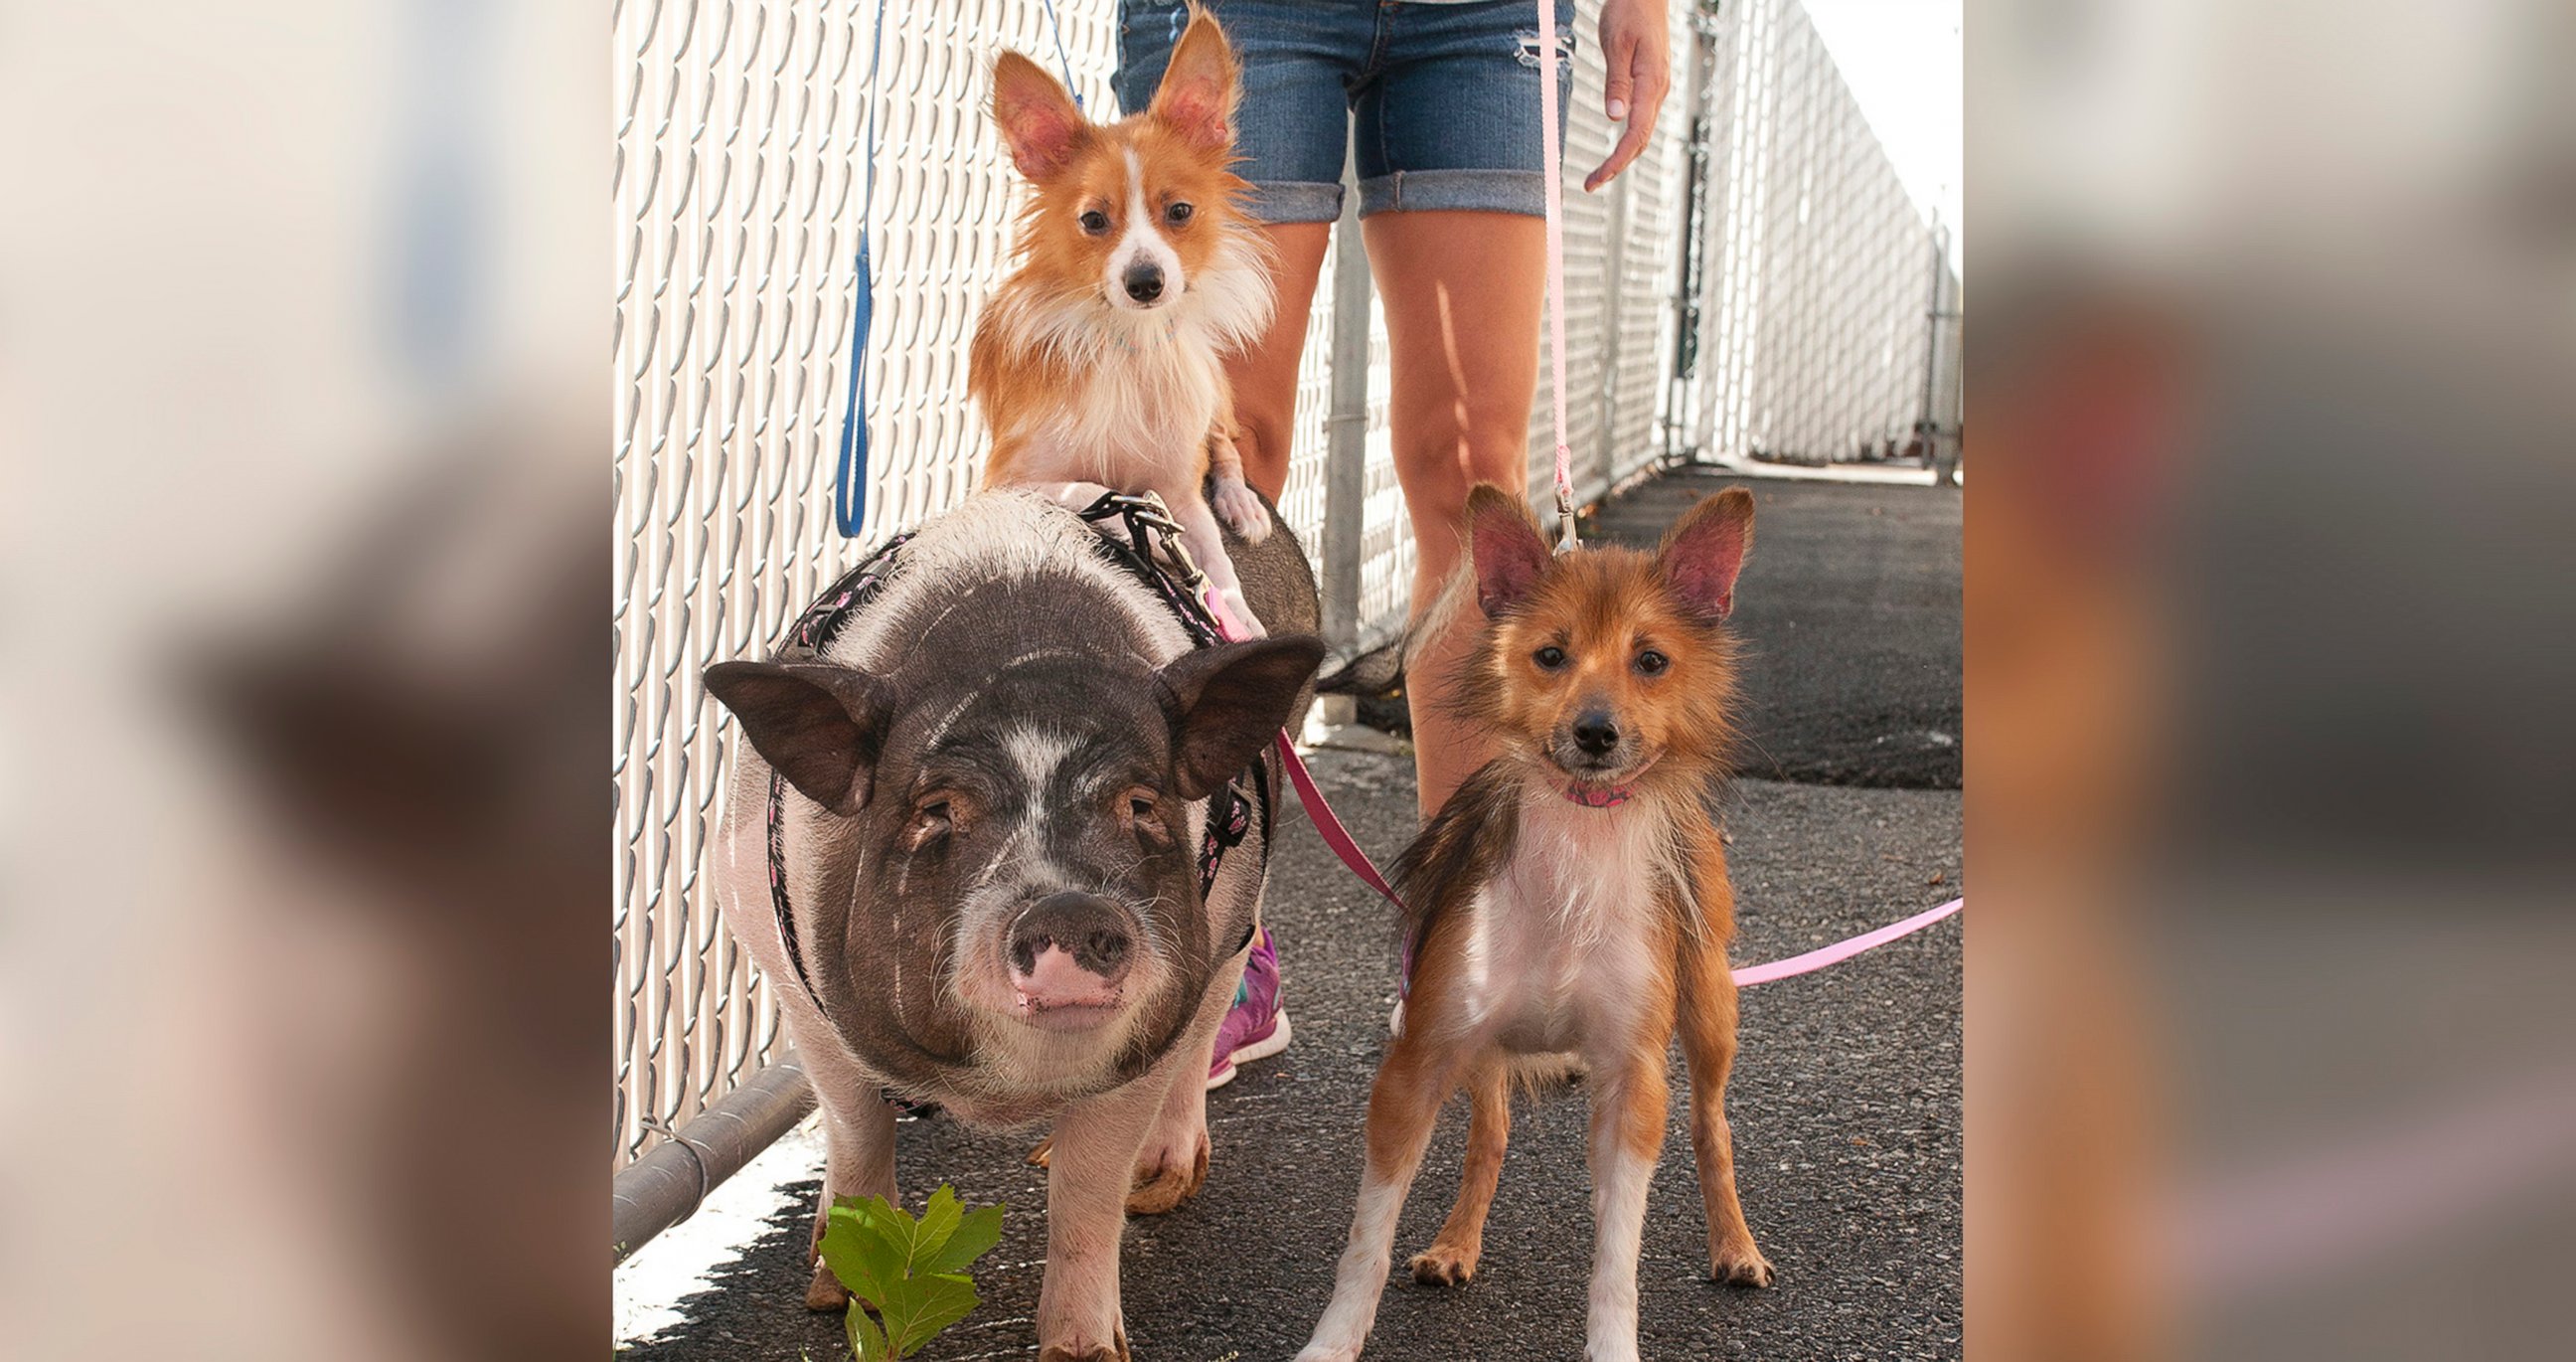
(1528, 38)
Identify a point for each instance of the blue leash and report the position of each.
(850, 485)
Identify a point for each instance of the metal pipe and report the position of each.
(668, 1184)
(1346, 430)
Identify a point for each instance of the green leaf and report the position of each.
(858, 1250)
(976, 1234)
(938, 1221)
(923, 1306)
(865, 1341)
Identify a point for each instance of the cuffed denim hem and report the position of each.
(1488, 191)
(1296, 201)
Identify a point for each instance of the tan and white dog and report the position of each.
(1570, 903)
(1100, 360)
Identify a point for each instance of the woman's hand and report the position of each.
(1637, 38)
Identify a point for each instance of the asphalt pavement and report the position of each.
(1845, 1100)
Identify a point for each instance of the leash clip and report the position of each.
(1146, 511)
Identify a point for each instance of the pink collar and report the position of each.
(1595, 796)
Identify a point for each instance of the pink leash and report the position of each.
(1843, 950)
(1552, 143)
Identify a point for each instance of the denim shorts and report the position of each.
(1445, 98)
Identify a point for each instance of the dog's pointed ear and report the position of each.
(1505, 545)
(1225, 702)
(821, 724)
(1704, 550)
(1200, 86)
(1040, 122)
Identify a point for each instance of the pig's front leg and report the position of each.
(858, 1145)
(1173, 1162)
(1093, 1155)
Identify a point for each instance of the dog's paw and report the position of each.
(1741, 1265)
(1115, 1350)
(1242, 512)
(825, 1292)
(1167, 1177)
(1234, 615)
(1444, 1264)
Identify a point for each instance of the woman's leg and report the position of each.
(1264, 375)
(1462, 292)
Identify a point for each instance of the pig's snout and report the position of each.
(1069, 954)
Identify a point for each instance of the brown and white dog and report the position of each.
(1099, 361)
(1570, 903)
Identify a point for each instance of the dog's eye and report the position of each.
(1179, 212)
(1094, 221)
(1652, 663)
(1549, 658)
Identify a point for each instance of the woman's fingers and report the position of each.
(1641, 127)
(1621, 51)
(1634, 40)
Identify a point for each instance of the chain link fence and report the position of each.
(1819, 337)
(739, 178)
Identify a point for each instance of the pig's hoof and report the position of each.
(1046, 1150)
(1444, 1264)
(1165, 1186)
(825, 1292)
(1115, 1350)
(1742, 1266)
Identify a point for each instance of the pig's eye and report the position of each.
(1142, 806)
(1652, 663)
(931, 819)
(1549, 658)
(1094, 221)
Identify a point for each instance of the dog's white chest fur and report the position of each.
(1562, 940)
(1140, 406)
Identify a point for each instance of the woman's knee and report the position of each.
(1438, 477)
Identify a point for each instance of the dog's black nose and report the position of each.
(1596, 733)
(1087, 927)
(1144, 281)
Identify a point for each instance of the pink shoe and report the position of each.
(1256, 1027)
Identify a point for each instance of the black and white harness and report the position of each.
(1148, 527)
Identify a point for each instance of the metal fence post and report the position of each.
(1614, 267)
(1346, 430)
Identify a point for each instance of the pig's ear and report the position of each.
(1226, 701)
(1704, 550)
(819, 723)
(1505, 545)
(1040, 122)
